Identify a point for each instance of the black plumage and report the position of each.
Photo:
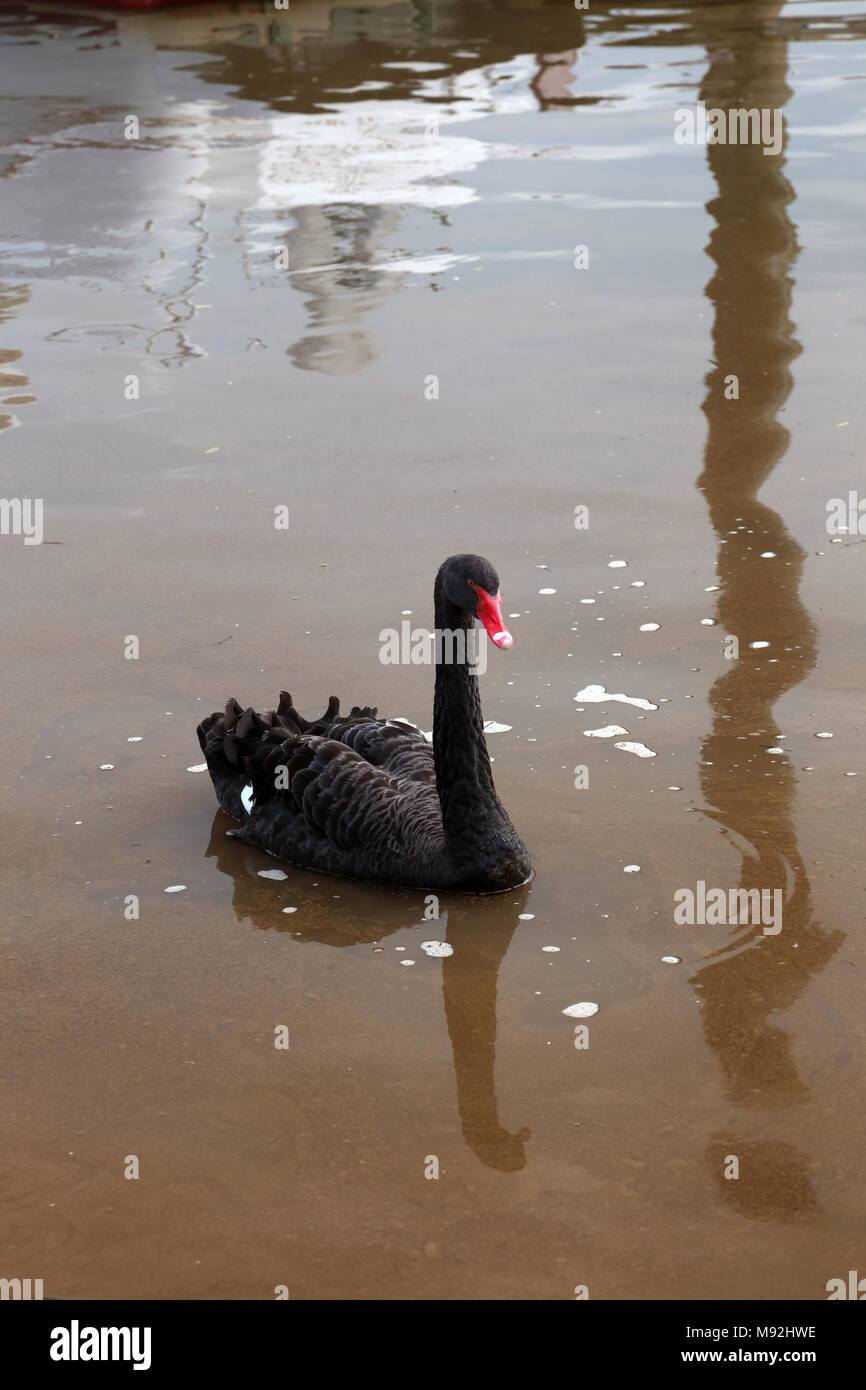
(370, 798)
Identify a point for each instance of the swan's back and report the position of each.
(345, 794)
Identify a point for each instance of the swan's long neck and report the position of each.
(464, 780)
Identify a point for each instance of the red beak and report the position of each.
(489, 613)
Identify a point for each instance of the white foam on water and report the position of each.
(547, 591)
(135, 739)
(672, 960)
(597, 695)
(617, 564)
(759, 644)
(106, 767)
(416, 66)
(437, 948)
(175, 888)
(550, 948)
(272, 873)
(290, 909)
(491, 727)
(632, 869)
(824, 735)
(609, 731)
(650, 627)
(640, 749)
(369, 86)
(198, 767)
(525, 916)
(582, 1010)
(412, 265)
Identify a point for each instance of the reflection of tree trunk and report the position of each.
(753, 246)
(11, 377)
(469, 980)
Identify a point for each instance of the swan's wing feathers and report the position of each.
(286, 717)
(356, 782)
(391, 744)
(338, 794)
(394, 745)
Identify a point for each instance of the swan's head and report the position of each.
(471, 583)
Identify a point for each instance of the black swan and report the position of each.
(369, 798)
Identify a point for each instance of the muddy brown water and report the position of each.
(430, 173)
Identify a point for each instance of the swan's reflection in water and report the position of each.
(478, 928)
(480, 941)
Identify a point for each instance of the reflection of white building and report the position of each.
(194, 27)
(327, 182)
(330, 187)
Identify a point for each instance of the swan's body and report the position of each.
(370, 798)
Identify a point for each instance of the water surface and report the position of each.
(427, 173)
